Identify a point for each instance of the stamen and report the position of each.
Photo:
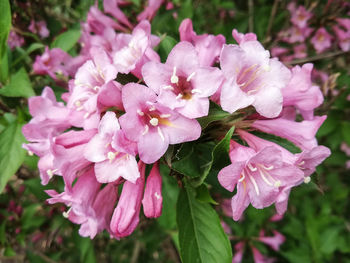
(139, 112)
(191, 76)
(252, 168)
(179, 96)
(165, 116)
(268, 168)
(161, 134)
(264, 178)
(174, 79)
(242, 178)
(86, 115)
(111, 156)
(145, 130)
(152, 108)
(30, 153)
(153, 121)
(168, 87)
(277, 183)
(66, 214)
(255, 185)
(307, 179)
(196, 91)
(51, 173)
(302, 163)
(157, 195)
(77, 103)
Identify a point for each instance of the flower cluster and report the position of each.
(304, 27)
(105, 131)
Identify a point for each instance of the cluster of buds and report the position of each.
(100, 138)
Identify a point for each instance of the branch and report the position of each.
(272, 17)
(251, 15)
(317, 57)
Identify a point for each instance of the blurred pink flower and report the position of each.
(321, 40)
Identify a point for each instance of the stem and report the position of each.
(272, 17)
(251, 15)
(317, 57)
(136, 252)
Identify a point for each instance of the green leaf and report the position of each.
(29, 213)
(201, 236)
(219, 158)
(215, 114)
(4, 68)
(170, 192)
(203, 195)
(11, 152)
(19, 86)
(5, 25)
(66, 40)
(346, 131)
(165, 46)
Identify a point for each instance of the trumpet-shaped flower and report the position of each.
(181, 83)
(152, 125)
(112, 153)
(252, 78)
(260, 177)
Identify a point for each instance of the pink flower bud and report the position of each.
(152, 200)
(126, 215)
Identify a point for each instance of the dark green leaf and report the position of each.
(201, 236)
(5, 25)
(66, 40)
(215, 114)
(170, 192)
(19, 86)
(11, 152)
(346, 131)
(165, 46)
(203, 195)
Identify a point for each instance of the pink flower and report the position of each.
(91, 79)
(112, 7)
(14, 40)
(241, 38)
(342, 31)
(131, 52)
(126, 215)
(51, 62)
(300, 16)
(152, 125)
(152, 200)
(300, 51)
(278, 51)
(252, 78)
(306, 161)
(182, 84)
(239, 249)
(296, 34)
(274, 241)
(301, 93)
(150, 10)
(260, 258)
(321, 40)
(260, 177)
(90, 207)
(98, 21)
(112, 153)
(301, 133)
(39, 28)
(207, 46)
